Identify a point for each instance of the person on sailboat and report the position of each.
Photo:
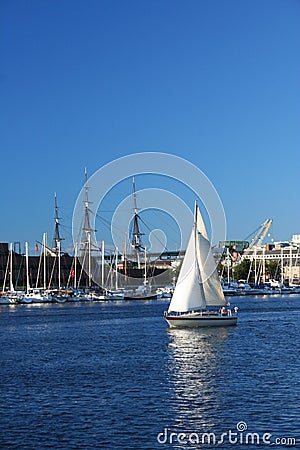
(223, 311)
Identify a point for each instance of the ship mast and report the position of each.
(87, 229)
(57, 239)
(136, 234)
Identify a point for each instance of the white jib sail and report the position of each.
(188, 294)
(212, 288)
(213, 292)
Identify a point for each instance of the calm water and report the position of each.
(114, 376)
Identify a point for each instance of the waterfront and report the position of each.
(113, 375)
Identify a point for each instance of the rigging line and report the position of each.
(118, 231)
(66, 228)
(113, 210)
(165, 247)
(159, 215)
(108, 223)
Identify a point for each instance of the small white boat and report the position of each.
(32, 295)
(142, 292)
(108, 296)
(198, 299)
(116, 294)
(228, 289)
(35, 296)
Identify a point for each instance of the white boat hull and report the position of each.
(194, 321)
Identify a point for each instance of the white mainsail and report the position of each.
(199, 221)
(188, 294)
(198, 283)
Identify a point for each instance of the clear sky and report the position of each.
(83, 82)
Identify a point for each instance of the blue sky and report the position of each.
(84, 82)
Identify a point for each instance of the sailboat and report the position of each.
(32, 295)
(198, 299)
(58, 295)
(10, 297)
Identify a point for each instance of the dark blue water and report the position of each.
(114, 376)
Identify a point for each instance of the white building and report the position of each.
(296, 240)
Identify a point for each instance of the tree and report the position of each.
(241, 271)
(272, 269)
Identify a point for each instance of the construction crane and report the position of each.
(261, 233)
(237, 248)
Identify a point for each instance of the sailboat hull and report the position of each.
(194, 321)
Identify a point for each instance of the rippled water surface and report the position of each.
(114, 376)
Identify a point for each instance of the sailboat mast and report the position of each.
(117, 258)
(102, 264)
(59, 272)
(87, 227)
(264, 265)
(11, 286)
(89, 259)
(125, 255)
(87, 230)
(57, 239)
(145, 274)
(75, 266)
(282, 269)
(291, 267)
(27, 269)
(44, 246)
(136, 235)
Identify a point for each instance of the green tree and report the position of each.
(272, 269)
(241, 271)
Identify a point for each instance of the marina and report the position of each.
(94, 274)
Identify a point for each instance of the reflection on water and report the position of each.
(194, 365)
